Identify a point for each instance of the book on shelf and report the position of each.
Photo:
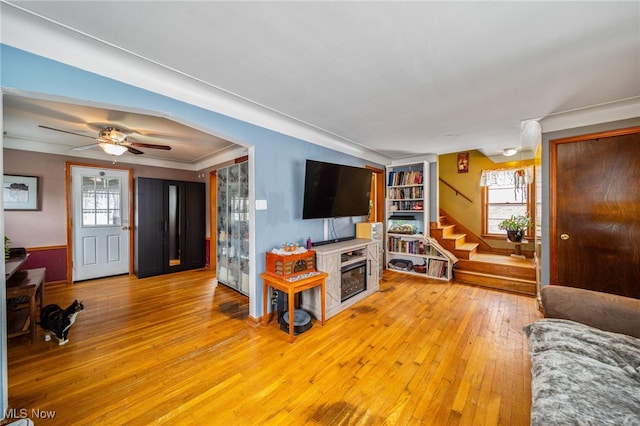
(405, 178)
(409, 193)
(437, 268)
(398, 245)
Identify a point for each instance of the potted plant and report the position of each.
(516, 227)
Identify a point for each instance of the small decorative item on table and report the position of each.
(286, 265)
(290, 247)
(516, 227)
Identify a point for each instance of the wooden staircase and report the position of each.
(477, 265)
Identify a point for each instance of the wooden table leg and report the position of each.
(322, 299)
(265, 295)
(42, 295)
(32, 315)
(292, 314)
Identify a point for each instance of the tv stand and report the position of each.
(336, 240)
(331, 258)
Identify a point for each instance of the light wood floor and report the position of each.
(174, 350)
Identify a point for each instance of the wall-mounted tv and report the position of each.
(335, 190)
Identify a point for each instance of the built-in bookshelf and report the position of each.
(406, 188)
(409, 248)
(407, 197)
(426, 258)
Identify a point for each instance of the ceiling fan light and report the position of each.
(508, 152)
(113, 149)
(112, 134)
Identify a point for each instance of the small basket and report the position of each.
(289, 247)
(420, 268)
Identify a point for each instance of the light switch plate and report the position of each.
(261, 204)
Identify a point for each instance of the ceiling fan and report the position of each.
(113, 141)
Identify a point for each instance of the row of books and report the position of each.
(405, 178)
(400, 245)
(412, 192)
(406, 205)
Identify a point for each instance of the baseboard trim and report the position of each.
(254, 322)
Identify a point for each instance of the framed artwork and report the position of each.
(20, 192)
(463, 162)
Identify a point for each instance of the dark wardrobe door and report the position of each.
(149, 231)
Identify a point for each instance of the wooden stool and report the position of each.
(291, 288)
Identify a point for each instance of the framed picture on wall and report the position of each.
(20, 192)
(463, 162)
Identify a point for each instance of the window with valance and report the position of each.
(506, 192)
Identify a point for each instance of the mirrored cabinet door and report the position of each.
(173, 224)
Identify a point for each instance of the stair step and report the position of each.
(494, 281)
(506, 266)
(442, 230)
(467, 246)
(455, 237)
(453, 241)
(466, 251)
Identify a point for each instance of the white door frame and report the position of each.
(69, 193)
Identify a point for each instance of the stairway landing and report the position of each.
(499, 271)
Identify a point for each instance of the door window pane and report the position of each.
(101, 201)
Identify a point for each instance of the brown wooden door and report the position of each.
(595, 228)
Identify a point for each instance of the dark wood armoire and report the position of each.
(169, 226)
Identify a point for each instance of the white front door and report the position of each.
(100, 222)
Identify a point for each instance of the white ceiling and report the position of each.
(398, 78)
(23, 117)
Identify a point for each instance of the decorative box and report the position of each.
(287, 266)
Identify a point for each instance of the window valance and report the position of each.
(518, 177)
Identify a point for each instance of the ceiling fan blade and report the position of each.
(83, 147)
(66, 131)
(150, 145)
(134, 151)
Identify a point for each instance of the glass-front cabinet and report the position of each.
(233, 227)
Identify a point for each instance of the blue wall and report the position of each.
(279, 159)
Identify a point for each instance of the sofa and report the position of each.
(585, 358)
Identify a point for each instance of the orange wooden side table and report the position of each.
(291, 288)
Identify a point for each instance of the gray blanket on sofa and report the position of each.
(583, 375)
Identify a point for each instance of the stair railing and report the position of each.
(455, 190)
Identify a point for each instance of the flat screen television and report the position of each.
(335, 190)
